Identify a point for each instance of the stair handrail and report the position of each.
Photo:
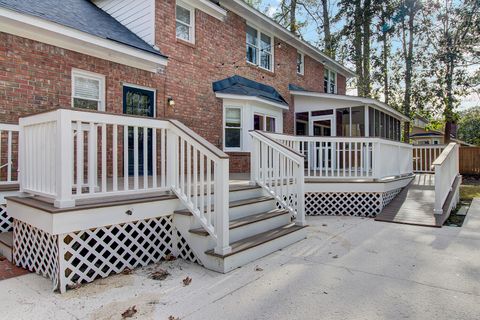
(206, 166)
(279, 170)
(446, 168)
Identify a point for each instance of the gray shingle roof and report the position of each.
(242, 86)
(81, 15)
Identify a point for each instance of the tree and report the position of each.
(469, 125)
(454, 35)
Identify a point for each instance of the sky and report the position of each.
(310, 34)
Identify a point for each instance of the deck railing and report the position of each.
(350, 158)
(8, 154)
(424, 156)
(68, 155)
(446, 168)
(280, 171)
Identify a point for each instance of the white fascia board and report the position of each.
(52, 33)
(250, 98)
(262, 21)
(208, 7)
(363, 101)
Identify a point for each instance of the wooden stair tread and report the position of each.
(232, 204)
(240, 222)
(6, 238)
(257, 240)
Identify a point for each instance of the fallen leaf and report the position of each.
(257, 268)
(129, 312)
(324, 224)
(173, 318)
(187, 281)
(335, 256)
(325, 292)
(170, 257)
(160, 274)
(2, 258)
(127, 271)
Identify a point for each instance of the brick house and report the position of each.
(137, 112)
(39, 67)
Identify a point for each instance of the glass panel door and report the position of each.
(139, 102)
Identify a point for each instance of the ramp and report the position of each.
(415, 203)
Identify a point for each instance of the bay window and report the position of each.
(233, 128)
(259, 48)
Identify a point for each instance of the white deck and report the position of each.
(409, 273)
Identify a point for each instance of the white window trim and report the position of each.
(257, 45)
(192, 20)
(232, 149)
(126, 84)
(265, 116)
(89, 75)
(328, 72)
(302, 69)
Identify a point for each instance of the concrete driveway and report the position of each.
(348, 268)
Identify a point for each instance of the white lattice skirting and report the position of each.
(363, 204)
(83, 256)
(6, 222)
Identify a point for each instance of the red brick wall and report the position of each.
(35, 77)
(341, 84)
(218, 53)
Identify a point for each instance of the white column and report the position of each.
(221, 207)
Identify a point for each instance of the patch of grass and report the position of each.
(468, 192)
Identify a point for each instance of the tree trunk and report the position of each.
(357, 43)
(367, 19)
(385, 57)
(293, 16)
(408, 52)
(329, 48)
(448, 113)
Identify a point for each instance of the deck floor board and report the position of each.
(414, 204)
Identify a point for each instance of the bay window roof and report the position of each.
(238, 87)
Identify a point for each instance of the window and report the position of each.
(262, 122)
(329, 81)
(259, 48)
(138, 101)
(300, 63)
(185, 18)
(88, 90)
(233, 128)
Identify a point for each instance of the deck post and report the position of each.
(254, 157)
(172, 160)
(221, 207)
(64, 159)
(300, 174)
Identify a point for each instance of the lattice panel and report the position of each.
(388, 196)
(35, 250)
(365, 204)
(6, 222)
(97, 253)
(184, 250)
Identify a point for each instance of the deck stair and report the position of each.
(257, 228)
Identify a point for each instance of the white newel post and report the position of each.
(64, 159)
(172, 159)
(377, 160)
(439, 187)
(21, 155)
(221, 207)
(300, 220)
(254, 158)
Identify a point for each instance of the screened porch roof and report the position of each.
(312, 101)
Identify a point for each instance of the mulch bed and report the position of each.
(9, 270)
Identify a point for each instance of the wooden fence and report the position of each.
(470, 160)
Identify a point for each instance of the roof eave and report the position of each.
(256, 17)
(52, 33)
(251, 98)
(361, 100)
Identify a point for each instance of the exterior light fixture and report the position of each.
(171, 102)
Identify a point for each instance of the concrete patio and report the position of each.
(347, 268)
